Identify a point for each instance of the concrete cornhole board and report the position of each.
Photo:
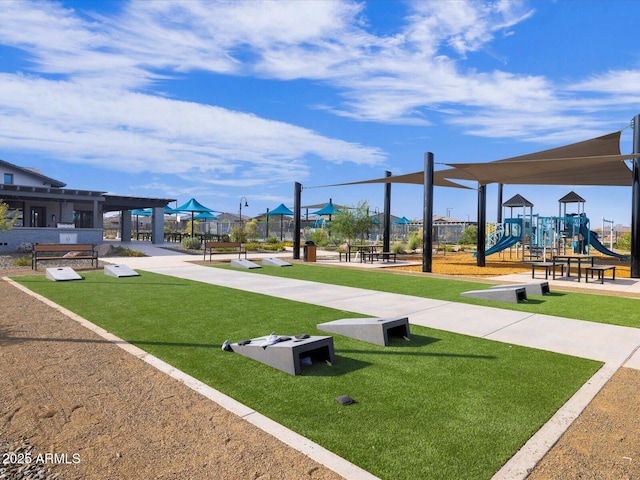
(62, 274)
(508, 294)
(274, 262)
(534, 288)
(244, 263)
(371, 330)
(119, 271)
(285, 355)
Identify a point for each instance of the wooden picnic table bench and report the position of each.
(376, 255)
(219, 248)
(49, 253)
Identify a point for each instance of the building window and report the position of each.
(8, 178)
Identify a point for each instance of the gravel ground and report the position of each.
(105, 415)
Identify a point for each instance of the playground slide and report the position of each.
(504, 242)
(595, 243)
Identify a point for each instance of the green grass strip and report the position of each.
(590, 307)
(441, 406)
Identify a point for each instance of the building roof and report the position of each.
(35, 174)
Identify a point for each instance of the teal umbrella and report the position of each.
(281, 210)
(193, 206)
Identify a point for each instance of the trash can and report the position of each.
(309, 252)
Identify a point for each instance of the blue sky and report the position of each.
(223, 100)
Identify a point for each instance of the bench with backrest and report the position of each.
(51, 253)
(599, 269)
(218, 248)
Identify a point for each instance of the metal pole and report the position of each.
(499, 216)
(482, 225)
(427, 214)
(635, 205)
(297, 196)
(386, 235)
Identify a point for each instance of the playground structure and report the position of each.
(534, 236)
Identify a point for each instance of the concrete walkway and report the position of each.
(615, 346)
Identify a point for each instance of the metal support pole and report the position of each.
(386, 236)
(499, 216)
(297, 196)
(635, 205)
(482, 225)
(427, 214)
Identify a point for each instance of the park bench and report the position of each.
(547, 267)
(49, 253)
(219, 248)
(376, 255)
(599, 269)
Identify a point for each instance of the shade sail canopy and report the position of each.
(416, 178)
(205, 216)
(402, 221)
(281, 210)
(140, 212)
(193, 206)
(328, 209)
(592, 162)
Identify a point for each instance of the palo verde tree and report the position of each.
(352, 223)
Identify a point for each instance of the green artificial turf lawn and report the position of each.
(612, 310)
(440, 406)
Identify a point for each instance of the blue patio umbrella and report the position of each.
(193, 206)
(328, 209)
(140, 212)
(281, 210)
(206, 216)
(402, 221)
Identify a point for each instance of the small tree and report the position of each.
(251, 230)
(7, 221)
(469, 235)
(353, 222)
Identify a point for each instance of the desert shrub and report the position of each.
(127, 252)
(191, 243)
(398, 248)
(272, 240)
(22, 262)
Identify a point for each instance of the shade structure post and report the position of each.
(635, 205)
(267, 232)
(297, 196)
(427, 214)
(499, 215)
(386, 238)
(482, 225)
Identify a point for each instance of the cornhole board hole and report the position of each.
(119, 271)
(62, 274)
(507, 294)
(274, 262)
(285, 355)
(371, 330)
(244, 263)
(535, 288)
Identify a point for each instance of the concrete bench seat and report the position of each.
(507, 294)
(371, 330)
(548, 267)
(285, 355)
(599, 269)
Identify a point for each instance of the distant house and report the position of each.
(48, 212)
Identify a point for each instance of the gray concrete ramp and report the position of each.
(507, 294)
(274, 262)
(371, 330)
(119, 271)
(533, 288)
(62, 274)
(244, 263)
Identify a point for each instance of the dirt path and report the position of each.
(109, 415)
